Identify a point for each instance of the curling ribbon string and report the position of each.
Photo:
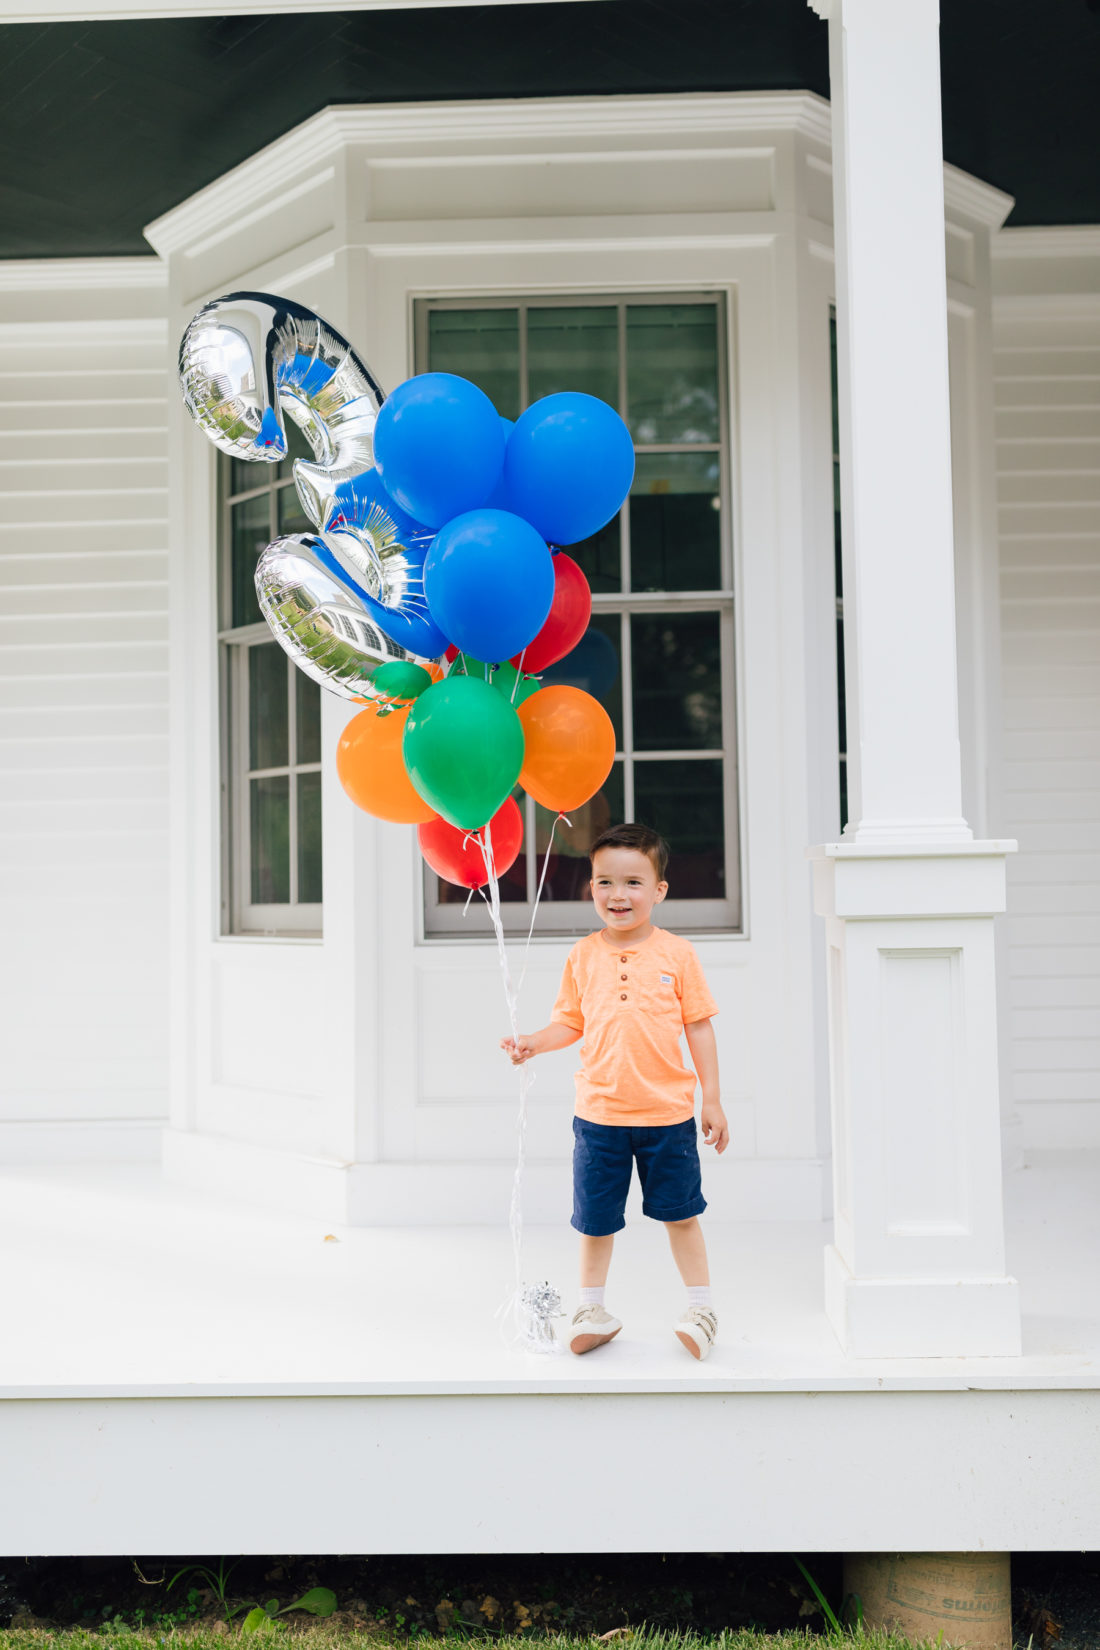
(560, 819)
(529, 1311)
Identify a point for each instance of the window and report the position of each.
(659, 653)
(271, 720)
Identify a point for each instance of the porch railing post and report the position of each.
(908, 896)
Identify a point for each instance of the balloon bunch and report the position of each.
(435, 589)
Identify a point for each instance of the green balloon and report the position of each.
(502, 677)
(463, 748)
(401, 679)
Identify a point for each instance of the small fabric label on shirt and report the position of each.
(666, 979)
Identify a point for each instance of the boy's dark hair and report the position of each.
(647, 842)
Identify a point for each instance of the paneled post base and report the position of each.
(917, 1264)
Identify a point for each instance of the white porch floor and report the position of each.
(287, 1394)
(116, 1282)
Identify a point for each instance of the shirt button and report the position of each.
(622, 976)
(622, 996)
(622, 959)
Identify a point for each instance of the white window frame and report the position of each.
(569, 917)
(239, 914)
(841, 719)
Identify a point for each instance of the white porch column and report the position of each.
(917, 1266)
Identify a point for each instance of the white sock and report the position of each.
(592, 1297)
(699, 1295)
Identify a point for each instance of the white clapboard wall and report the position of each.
(1047, 363)
(83, 709)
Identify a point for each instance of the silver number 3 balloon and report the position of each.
(349, 598)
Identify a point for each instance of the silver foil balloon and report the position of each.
(315, 613)
(249, 360)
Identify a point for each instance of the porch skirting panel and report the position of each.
(899, 1471)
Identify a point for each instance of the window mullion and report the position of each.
(628, 716)
(531, 859)
(524, 387)
(292, 788)
(681, 756)
(241, 788)
(624, 513)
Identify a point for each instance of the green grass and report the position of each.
(328, 1635)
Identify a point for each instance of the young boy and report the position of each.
(630, 990)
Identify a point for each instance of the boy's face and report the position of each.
(625, 888)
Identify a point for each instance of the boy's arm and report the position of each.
(704, 1055)
(556, 1035)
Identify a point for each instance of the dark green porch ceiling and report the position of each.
(104, 126)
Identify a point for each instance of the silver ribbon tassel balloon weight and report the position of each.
(349, 598)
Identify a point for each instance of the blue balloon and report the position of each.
(439, 446)
(592, 666)
(489, 579)
(568, 465)
(500, 498)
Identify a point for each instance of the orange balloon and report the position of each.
(570, 746)
(372, 769)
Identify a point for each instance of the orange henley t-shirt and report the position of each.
(632, 1002)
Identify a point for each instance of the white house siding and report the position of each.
(1047, 353)
(83, 717)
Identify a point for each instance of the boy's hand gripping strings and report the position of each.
(526, 1044)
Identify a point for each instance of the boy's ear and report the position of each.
(662, 890)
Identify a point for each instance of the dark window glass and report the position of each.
(308, 703)
(250, 533)
(309, 839)
(245, 475)
(600, 559)
(676, 522)
(481, 345)
(296, 447)
(677, 681)
(672, 372)
(573, 349)
(513, 882)
(268, 734)
(291, 517)
(269, 801)
(568, 873)
(595, 666)
(683, 800)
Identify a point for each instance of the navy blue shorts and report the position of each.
(604, 1155)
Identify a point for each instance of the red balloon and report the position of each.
(455, 855)
(567, 620)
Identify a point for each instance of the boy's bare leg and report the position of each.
(593, 1326)
(689, 1251)
(697, 1329)
(595, 1260)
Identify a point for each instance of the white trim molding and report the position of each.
(81, 274)
(438, 127)
(1055, 241)
(966, 196)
